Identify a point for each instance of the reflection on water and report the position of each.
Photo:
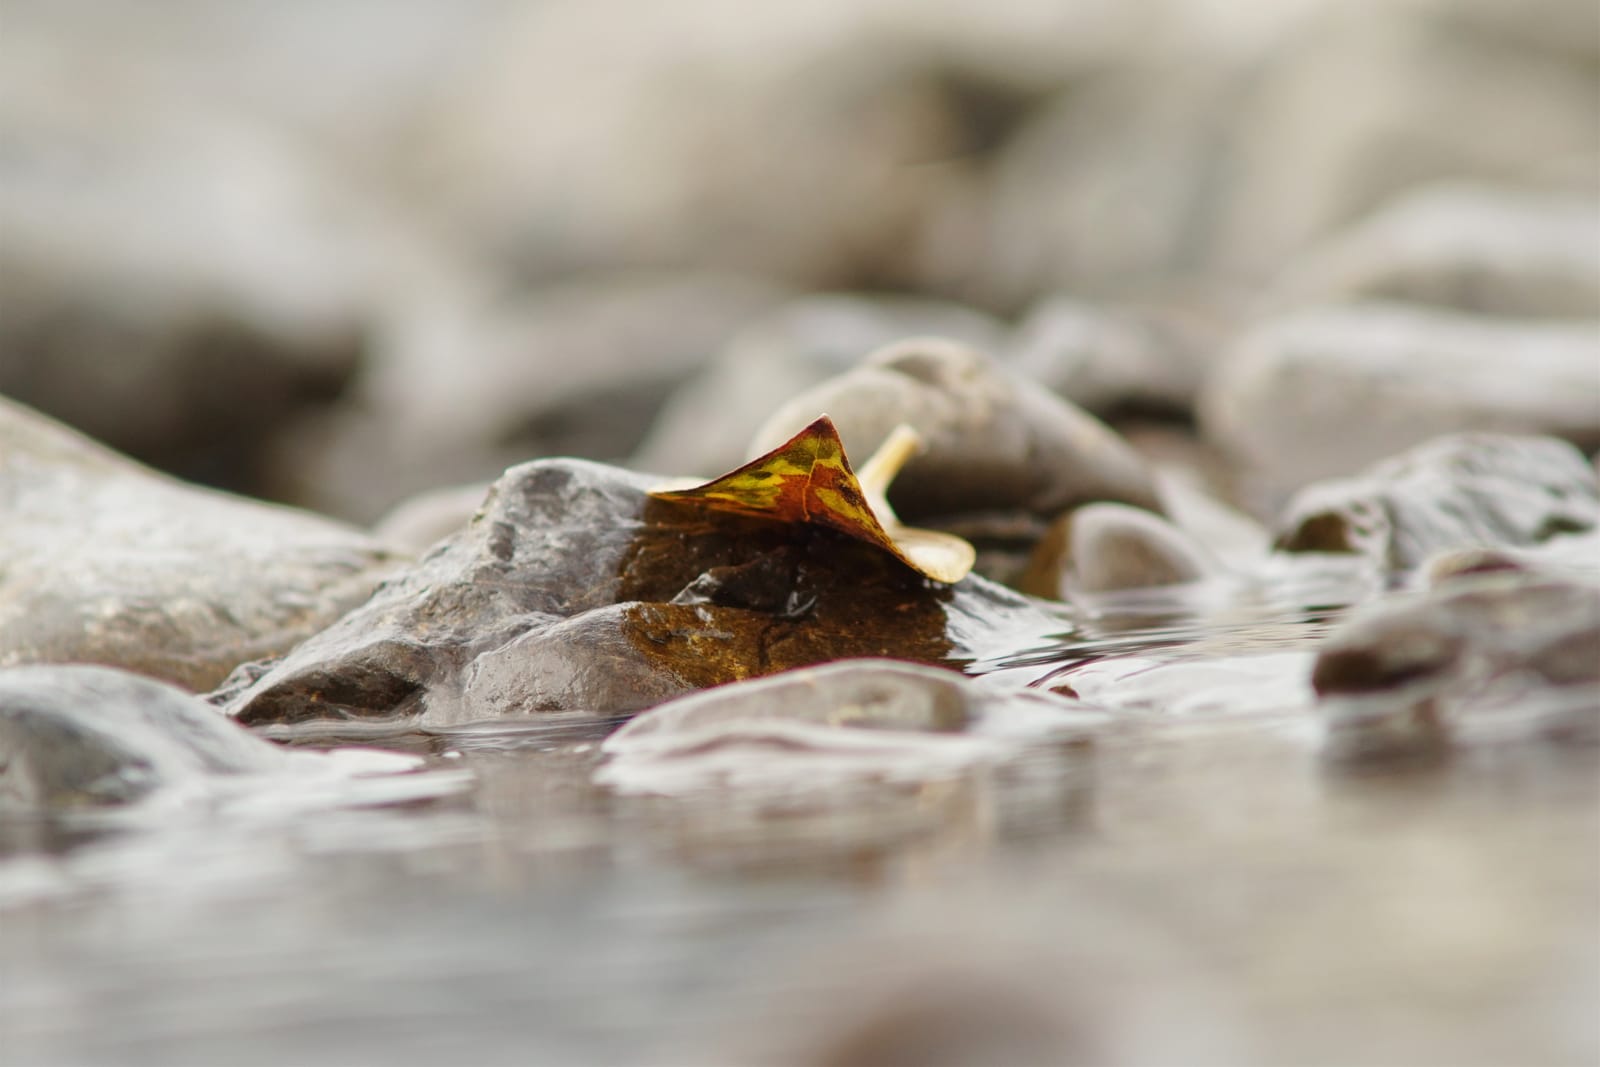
(1200, 886)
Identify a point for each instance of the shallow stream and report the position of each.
(1202, 885)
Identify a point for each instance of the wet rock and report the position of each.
(572, 590)
(464, 383)
(1472, 489)
(864, 694)
(1484, 655)
(174, 281)
(1103, 547)
(1283, 401)
(77, 736)
(1470, 248)
(107, 562)
(855, 719)
(994, 442)
(417, 523)
(1110, 362)
(704, 428)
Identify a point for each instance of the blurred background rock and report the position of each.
(339, 253)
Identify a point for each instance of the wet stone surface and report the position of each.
(1472, 489)
(76, 737)
(1508, 653)
(571, 590)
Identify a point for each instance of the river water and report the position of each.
(1202, 885)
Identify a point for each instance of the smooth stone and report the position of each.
(863, 694)
(1100, 548)
(422, 520)
(110, 563)
(857, 717)
(1108, 361)
(992, 441)
(465, 381)
(75, 737)
(704, 427)
(1465, 247)
(1488, 655)
(1485, 490)
(1284, 400)
(571, 590)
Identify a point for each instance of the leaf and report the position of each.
(808, 479)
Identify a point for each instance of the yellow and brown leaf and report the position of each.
(808, 479)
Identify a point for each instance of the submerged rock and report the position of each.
(994, 442)
(572, 590)
(77, 736)
(859, 718)
(1284, 400)
(1471, 489)
(1482, 655)
(107, 562)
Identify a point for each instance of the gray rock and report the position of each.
(993, 442)
(572, 590)
(1285, 400)
(704, 428)
(1104, 547)
(1109, 362)
(1470, 248)
(462, 384)
(812, 726)
(106, 562)
(73, 735)
(1491, 655)
(1473, 489)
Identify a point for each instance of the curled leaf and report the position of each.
(808, 479)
